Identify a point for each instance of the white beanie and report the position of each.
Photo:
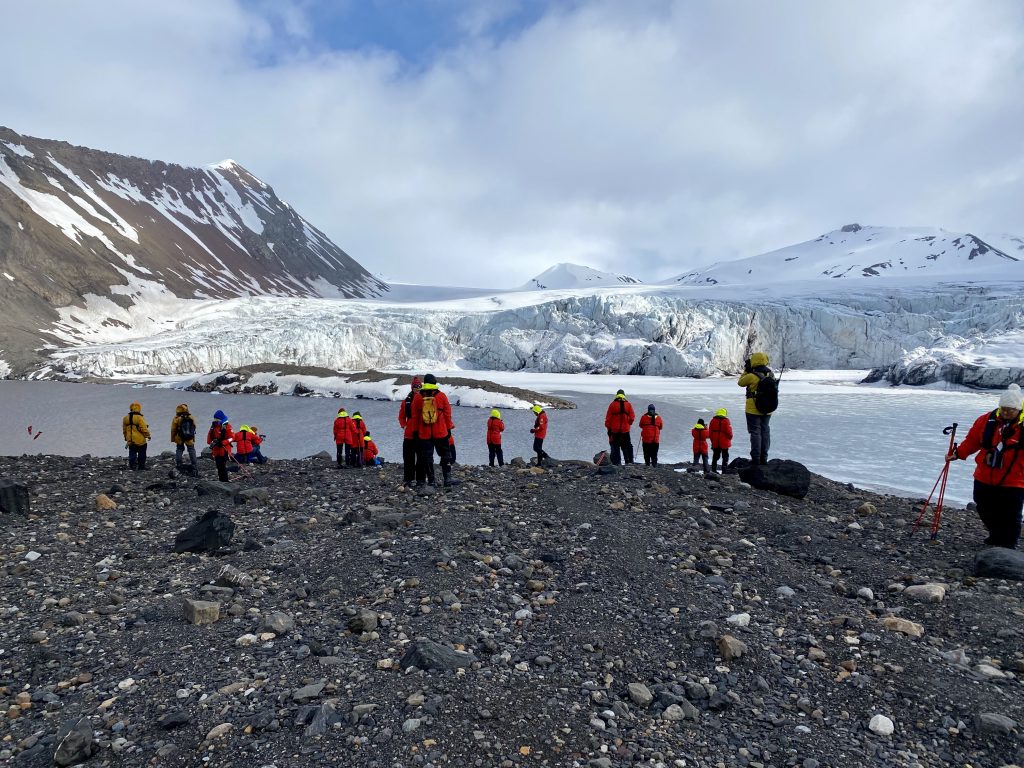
(1011, 398)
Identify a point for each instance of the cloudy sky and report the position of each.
(477, 143)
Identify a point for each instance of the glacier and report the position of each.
(637, 330)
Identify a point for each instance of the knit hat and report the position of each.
(701, 422)
(1011, 398)
(429, 379)
(620, 392)
(650, 408)
(416, 382)
(220, 416)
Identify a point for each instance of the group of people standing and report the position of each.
(355, 446)
(243, 446)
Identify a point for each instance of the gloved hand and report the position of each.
(532, 431)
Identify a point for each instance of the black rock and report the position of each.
(172, 720)
(247, 495)
(789, 478)
(14, 497)
(1000, 563)
(215, 488)
(426, 654)
(208, 534)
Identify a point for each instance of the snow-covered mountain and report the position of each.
(565, 275)
(868, 252)
(81, 229)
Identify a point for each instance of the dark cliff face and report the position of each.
(76, 221)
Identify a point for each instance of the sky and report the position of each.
(478, 143)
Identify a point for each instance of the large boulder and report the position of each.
(75, 743)
(14, 497)
(426, 654)
(215, 488)
(1000, 563)
(789, 478)
(209, 533)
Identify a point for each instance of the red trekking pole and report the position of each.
(940, 483)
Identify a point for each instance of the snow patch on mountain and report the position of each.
(867, 252)
(5, 369)
(567, 275)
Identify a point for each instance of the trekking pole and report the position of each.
(241, 468)
(940, 483)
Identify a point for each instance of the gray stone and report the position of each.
(426, 654)
(325, 717)
(201, 611)
(74, 743)
(279, 623)
(991, 722)
(364, 621)
(640, 694)
(250, 495)
(230, 576)
(307, 692)
(411, 725)
(215, 488)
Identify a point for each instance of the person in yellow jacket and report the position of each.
(136, 436)
(183, 435)
(756, 370)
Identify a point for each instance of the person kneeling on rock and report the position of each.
(999, 472)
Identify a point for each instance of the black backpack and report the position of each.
(766, 396)
(186, 428)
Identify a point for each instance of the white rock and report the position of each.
(882, 725)
(865, 593)
(32, 556)
(246, 640)
(739, 620)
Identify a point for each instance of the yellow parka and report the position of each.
(134, 427)
(181, 410)
(750, 380)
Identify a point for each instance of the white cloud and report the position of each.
(643, 138)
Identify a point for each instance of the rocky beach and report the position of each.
(527, 617)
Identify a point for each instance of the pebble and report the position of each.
(882, 725)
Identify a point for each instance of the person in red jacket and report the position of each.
(432, 417)
(409, 439)
(243, 445)
(495, 426)
(720, 432)
(257, 456)
(358, 433)
(539, 432)
(344, 436)
(618, 421)
(650, 435)
(219, 439)
(700, 443)
(370, 452)
(999, 472)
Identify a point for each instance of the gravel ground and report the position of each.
(524, 617)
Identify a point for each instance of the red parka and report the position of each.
(650, 428)
(405, 417)
(444, 424)
(495, 427)
(620, 416)
(720, 432)
(243, 442)
(358, 431)
(219, 438)
(1011, 473)
(700, 439)
(369, 451)
(540, 426)
(344, 431)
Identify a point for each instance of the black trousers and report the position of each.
(341, 454)
(651, 453)
(622, 447)
(494, 452)
(701, 457)
(719, 453)
(538, 448)
(451, 453)
(222, 467)
(1000, 509)
(425, 459)
(409, 450)
(137, 456)
(353, 456)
